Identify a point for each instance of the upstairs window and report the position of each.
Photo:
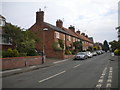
(57, 35)
(69, 38)
(73, 39)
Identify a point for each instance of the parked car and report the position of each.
(81, 55)
(89, 54)
(94, 53)
(98, 52)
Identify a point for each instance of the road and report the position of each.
(97, 72)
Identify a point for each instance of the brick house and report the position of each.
(75, 36)
(49, 34)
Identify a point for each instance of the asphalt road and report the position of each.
(98, 72)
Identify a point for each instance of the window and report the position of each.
(57, 35)
(73, 39)
(64, 37)
(69, 38)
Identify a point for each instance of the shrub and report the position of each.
(15, 53)
(68, 52)
(55, 46)
(10, 53)
(31, 52)
(117, 52)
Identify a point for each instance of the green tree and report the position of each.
(78, 46)
(105, 46)
(114, 45)
(12, 32)
(24, 41)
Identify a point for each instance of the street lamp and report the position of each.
(43, 52)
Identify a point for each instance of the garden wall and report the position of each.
(17, 62)
(68, 56)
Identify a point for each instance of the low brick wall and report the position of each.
(55, 54)
(17, 62)
(68, 56)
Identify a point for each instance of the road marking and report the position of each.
(60, 61)
(101, 77)
(109, 80)
(51, 76)
(112, 54)
(11, 70)
(98, 85)
(33, 66)
(76, 65)
(103, 74)
(100, 80)
(108, 85)
(110, 71)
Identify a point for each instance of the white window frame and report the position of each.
(64, 37)
(57, 34)
(69, 38)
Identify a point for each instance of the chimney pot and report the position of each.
(39, 16)
(59, 23)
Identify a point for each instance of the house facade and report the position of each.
(4, 40)
(52, 38)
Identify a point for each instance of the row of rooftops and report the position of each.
(70, 32)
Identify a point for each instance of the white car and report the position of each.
(89, 54)
(81, 55)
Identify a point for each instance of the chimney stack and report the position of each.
(78, 31)
(39, 16)
(72, 28)
(59, 23)
(83, 34)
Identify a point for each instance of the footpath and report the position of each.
(49, 62)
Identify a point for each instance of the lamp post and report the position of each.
(43, 52)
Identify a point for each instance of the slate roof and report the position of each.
(70, 32)
(56, 28)
(83, 37)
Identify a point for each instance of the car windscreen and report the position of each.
(81, 53)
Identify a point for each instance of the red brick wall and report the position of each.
(68, 56)
(16, 62)
(5, 47)
(55, 54)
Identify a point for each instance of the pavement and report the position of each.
(49, 62)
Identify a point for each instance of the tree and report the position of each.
(12, 32)
(114, 45)
(105, 46)
(24, 41)
(78, 46)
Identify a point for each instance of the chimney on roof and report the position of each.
(72, 28)
(83, 34)
(78, 31)
(59, 23)
(39, 16)
(86, 36)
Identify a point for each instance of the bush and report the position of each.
(32, 52)
(55, 46)
(68, 52)
(117, 52)
(10, 53)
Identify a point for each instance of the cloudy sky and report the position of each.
(96, 18)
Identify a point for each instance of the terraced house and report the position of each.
(55, 39)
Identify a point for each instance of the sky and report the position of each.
(96, 18)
